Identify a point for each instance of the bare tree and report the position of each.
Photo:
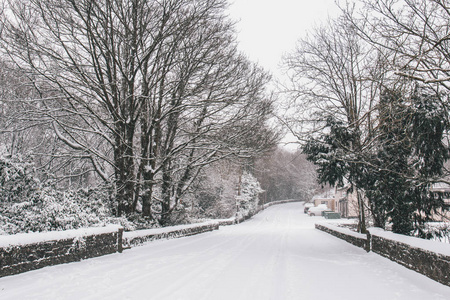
(416, 32)
(285, 174)
(145, 91)
(336, 79)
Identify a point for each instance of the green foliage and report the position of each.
(408, 157)
(329, 153)
(429, 123)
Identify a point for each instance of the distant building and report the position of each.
(327, 198)
(443, 189)
(346, 202)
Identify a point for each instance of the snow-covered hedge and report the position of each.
(248, 199)
(48, 209)
(27, 205)
(17, 180)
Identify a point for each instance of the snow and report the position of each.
(39, 237)
(275, 255)
(155, 231)
(343, 230)
(149, 169)
(433, 246)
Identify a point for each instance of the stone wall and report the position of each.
(431, 264)
(135, 238)
(16, 259)
(257, 211)
(359, 240)
(281, 202)
(422, 256)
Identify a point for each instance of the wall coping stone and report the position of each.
(428, 245)
(22, 239)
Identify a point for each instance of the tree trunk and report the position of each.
(124, 172)
(362, 215)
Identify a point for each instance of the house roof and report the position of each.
(440, 187)
(329, 194)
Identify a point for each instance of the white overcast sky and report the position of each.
(267, 29)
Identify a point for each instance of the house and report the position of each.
(330, 202)
(346, 202)
(442, 189)
(327, 198)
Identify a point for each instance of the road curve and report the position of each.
(276, 255)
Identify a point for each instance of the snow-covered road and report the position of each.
(276, 255)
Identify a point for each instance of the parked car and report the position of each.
(307, 207)
(317, 211)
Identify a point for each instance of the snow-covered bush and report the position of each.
(217, 201)
(29, 205)
(438, 231)
(212, 196)
(248, 199)
(17, 181)
(49, 209)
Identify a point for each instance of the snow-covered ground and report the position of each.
(276, 255)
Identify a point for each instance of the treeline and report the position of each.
(141, 111)
(141, 96)
(371, 92)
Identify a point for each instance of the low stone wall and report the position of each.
(135, 238)
(429, 258)
(31, 255)
(354, 238)
(432, 264)
(281, 202)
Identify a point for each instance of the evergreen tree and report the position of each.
(386, 181)
(429, 125)
(408, 158)
(328, 152)
(337, 156)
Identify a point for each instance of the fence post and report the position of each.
(368, 247)
(120, 240)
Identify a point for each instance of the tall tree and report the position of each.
(334, 93)
(415, 31)
(147, 91)
(413, 35)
